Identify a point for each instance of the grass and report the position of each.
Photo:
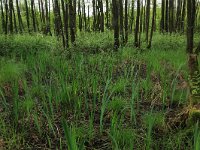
(90, 97)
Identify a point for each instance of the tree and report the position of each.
(192, 54)
(33, 15)
(162, 21)
(107, 12)
(115, 23)
(121, 16)
(27, 15)
(132, 15)
(147, 20)
(21, 26)
(65, 20)
(11, 16)
(2, 18)
(166, 15)
(137, 25)
(153, 23)
(126, 21)
(72, 19)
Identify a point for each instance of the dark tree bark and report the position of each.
(121, 16)
(33, 15)
(166, 15)
(171, 16)
(11, 16)
(72, 19)
(115, 23)
(48, 30)
(153, 23)
(2, 18)
(65, 19)
(88, 27)
(58, 22)
(162, 21)
(94, 15)
(193, 59)
(80, 16)
(21, 26)
(107, 12)
(132, 16)
(27, 15)
(141, 23)
(183, 15)
(144, 12)
(147, 20)
(101, 16)
(6, 23)
(137, 25)
(126, 21)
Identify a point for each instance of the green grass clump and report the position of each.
(11, 71)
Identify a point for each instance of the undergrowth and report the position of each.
(90, 97)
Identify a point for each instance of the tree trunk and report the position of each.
(147, 20)
(126, 21)
(2, 18)
(162, 21)
(166, 15)
(121, 21)
(33, 15)
(115, 23)
(11, 16)
(153, 23)
(21, 26)
(193, 59)
(137, 25)
(27, 15)
(72, 19)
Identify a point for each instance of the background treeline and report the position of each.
(66, 18)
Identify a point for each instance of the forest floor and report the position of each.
(91, 97)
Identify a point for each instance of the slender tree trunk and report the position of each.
(183, 15)
(6, 23)
(15, 20)
(147, 20)
(153, 23)
(101, 16)
(132, 16)
(72, 19)
(107, 12)
(80, 16)
(115, 23)
(137, 25)
(21, 26)
(47, 31)
(162, 22)
(141, 23)
(2, 18)
(121, 16)
(88, 27)
(193, 59)
(166, 15)
(33, 15)
(94, 15)
(65, 19)
(27, 15)
(10, 16)
(126, 21)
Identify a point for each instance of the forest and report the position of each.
(99, 74)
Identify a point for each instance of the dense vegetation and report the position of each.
(125, 77)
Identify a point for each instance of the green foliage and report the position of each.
(105, 95)
(10, 71)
